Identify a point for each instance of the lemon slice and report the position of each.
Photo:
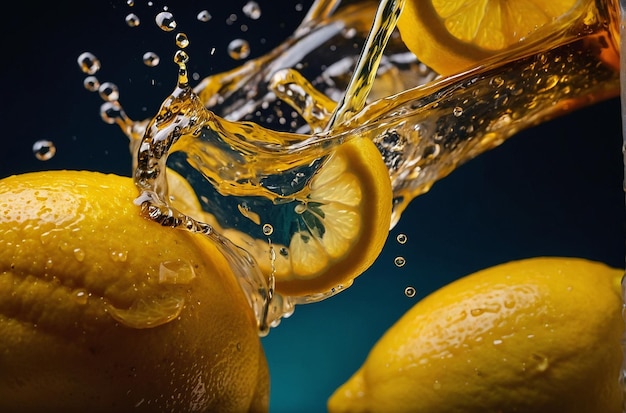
(320, 242)
(452, 35)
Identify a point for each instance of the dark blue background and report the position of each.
(555, 189)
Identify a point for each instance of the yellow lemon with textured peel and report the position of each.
(102, 310)
(539, 335)
(453, 35)
(319, 242)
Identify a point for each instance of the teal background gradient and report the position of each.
(555, 189)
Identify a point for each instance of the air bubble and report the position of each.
(165, 21)
(457, 111)
(151, 59)
(44, 150)
(182, 40)
(402, 239)
(268, 229)
(239, 49)
(88, 63)
(399, 261)
(132, 20)
(204, 16)
(409, 291)
(252, 10)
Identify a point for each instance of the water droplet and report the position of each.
(91, 83)
(130, 3)
(399, 261)
(79, 254)
(165, 21)
(108, 91)
(497, 342)
(111, 112)
(44, 149)
(88, 63)
(132, 20)
(268, 229)
(542, 362)
(252, 10)
(81, 296)
(151, 59)
(182, 40)
(176, 272)
(119, 256)
(457, 111)
(239, 49)
(181, 57)
(409, 291)
(204, 16)
(401, 238)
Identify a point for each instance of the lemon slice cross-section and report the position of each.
(326, 236)
(452, 35)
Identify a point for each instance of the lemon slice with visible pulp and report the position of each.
(320, 242)
(452, 35)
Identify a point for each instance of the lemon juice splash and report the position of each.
(231, 129)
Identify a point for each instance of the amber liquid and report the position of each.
(250, 139)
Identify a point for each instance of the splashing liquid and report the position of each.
(256, 135)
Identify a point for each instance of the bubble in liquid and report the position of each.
(239, 49)
(165, 21)
(399, 261)
(252, 10)
(132, 20)
(108, 91)
(182, 40)
(268, 229)
(401, 238)
(457, 111)
(44, 149)
(204, 16)
(151, 59)
(88, 63)
(409, 291)
(91, 83)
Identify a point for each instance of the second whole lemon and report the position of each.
(539, 335)
(102, 310)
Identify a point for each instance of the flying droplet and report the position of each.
(239, 49)
(204, 16)
(132, 20)
(91, 83)
(88, 63)
(399, 261)
(182, 40)
(108, 91)
(401, 238)
(44, 150)
(409, 291)
(252, 10)
(151, 59)
(268, 229)
(457, 111)
(165, 20)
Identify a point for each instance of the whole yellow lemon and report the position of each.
(539, 335)
(102, 310)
